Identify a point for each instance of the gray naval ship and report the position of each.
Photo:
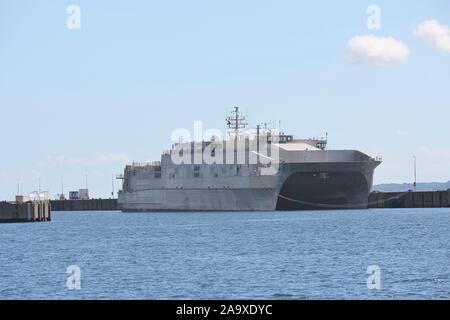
(262, 170)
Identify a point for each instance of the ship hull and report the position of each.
(301, 186)
(199, 200)
(320, 191)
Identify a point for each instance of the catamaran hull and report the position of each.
(297, 186)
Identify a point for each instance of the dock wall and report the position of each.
(31, 211)
(40, 210)
(85, 205)
(422, 199)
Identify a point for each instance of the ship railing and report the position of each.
(146, 164)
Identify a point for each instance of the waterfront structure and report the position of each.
(74, 195)
(27, 211)
(83, 194)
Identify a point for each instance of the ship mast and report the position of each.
(236, 121)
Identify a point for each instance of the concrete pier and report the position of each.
(422, 199)
(85, 205)
(31, 211)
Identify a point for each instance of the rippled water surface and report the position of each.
(279, 255)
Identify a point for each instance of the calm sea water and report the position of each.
(280, 255)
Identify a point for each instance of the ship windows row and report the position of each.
(196, 171)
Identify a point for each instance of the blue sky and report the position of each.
(77, 102)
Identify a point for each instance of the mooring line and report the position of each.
(327, 205)
(312, 204)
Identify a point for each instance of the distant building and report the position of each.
(22, 199)
(39, 195)
(74, 195)
(83, 194)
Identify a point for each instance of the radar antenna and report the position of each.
(236, 121)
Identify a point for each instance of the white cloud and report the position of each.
(98, 159)
(402, 132)
(111, 158)
(436, 153)
(435, 33)
(376, 50)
